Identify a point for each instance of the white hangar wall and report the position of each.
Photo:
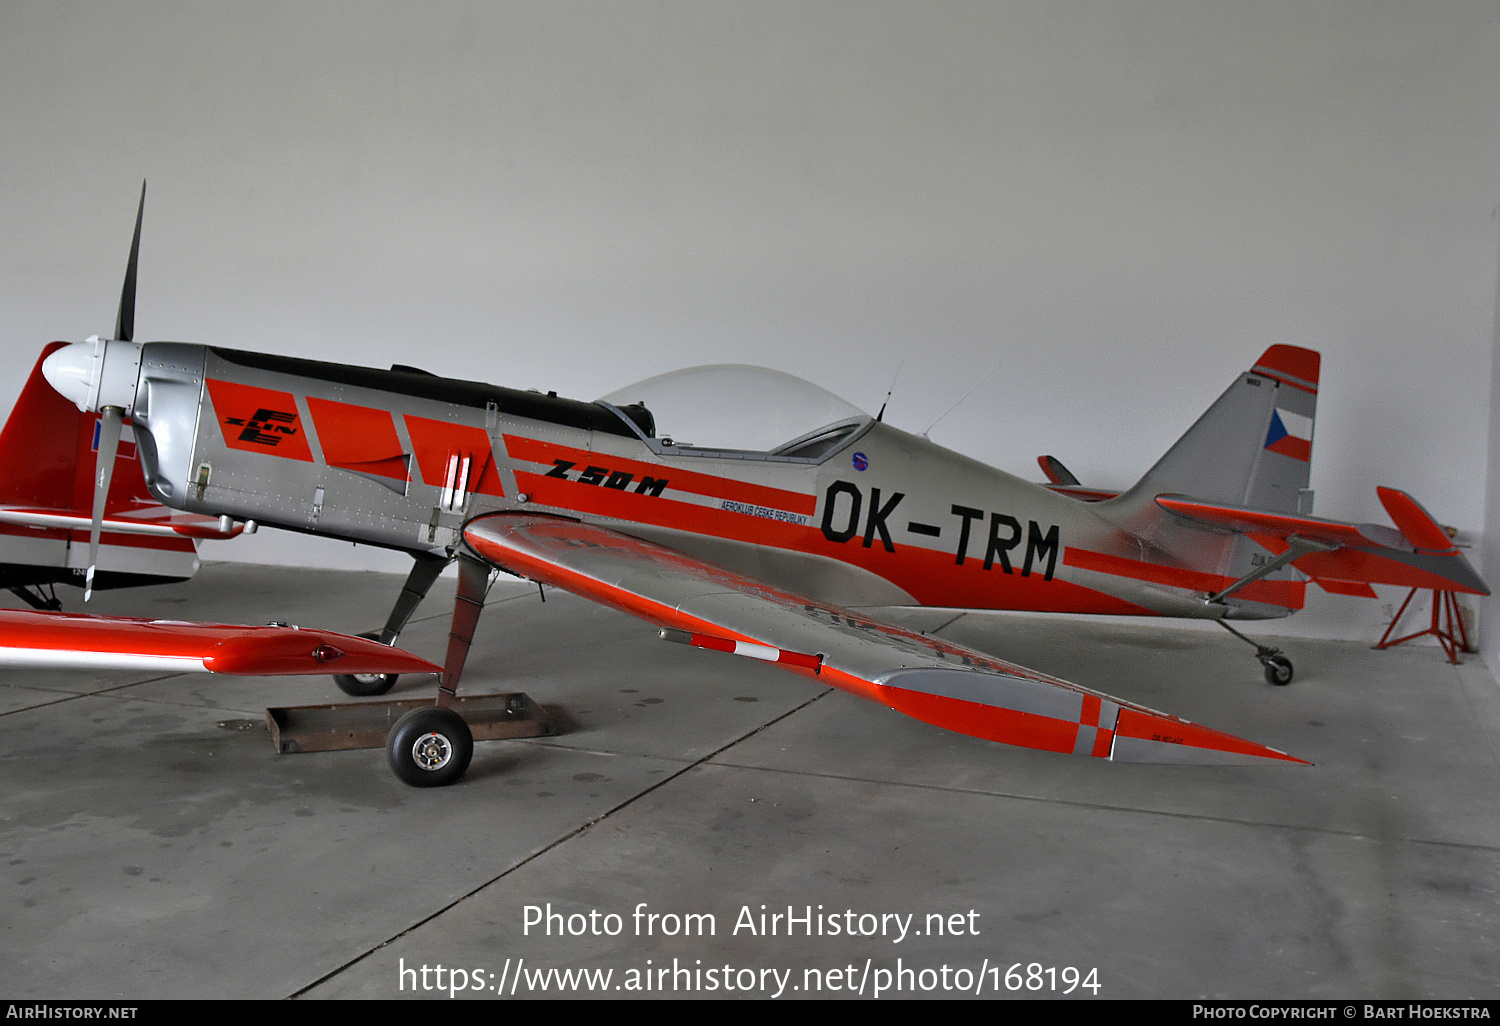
(1113, 207)
(1488, 639)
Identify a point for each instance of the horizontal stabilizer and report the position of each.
(1056, 473)
(928, 678)
(1061, 480)
(42, 639)
(1424, 533)
(1419, 555)
(1281, 525)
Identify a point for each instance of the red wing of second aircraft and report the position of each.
(42, 639)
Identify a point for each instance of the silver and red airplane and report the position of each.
(748, 511)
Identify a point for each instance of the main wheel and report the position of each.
(365, 685)
(1278, 670)
(430, 747)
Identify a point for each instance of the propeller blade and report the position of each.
(111, 418)
(125, 320)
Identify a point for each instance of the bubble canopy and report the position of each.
(738, 408)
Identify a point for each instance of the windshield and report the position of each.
(736, 407)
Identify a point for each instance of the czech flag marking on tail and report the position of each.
(1290, 434)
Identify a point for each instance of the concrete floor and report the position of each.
(150, 848)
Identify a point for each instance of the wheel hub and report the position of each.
(432, 751)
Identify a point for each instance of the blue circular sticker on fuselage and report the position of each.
(860, 462)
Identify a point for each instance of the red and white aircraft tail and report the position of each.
(1253, 446)
(1231, 500)
(47, 473)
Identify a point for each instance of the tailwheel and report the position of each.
(1277, 666)
(430, 747)
(1278, 670)
(365, 685)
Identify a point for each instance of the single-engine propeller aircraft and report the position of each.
(748, 511)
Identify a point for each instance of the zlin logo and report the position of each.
(267, 427)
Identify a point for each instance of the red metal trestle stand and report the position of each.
(1447, 625)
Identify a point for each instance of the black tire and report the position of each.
(430, 747)
(1278, 670)
(366, 685)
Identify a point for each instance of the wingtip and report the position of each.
(1037, 714)
(1147, 737)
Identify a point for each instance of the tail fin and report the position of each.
(1252, 448)
(1254, 445)
(1231, 499)
(46, 501)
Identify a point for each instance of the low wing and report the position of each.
(932, 680)
(72, 641)
(1417, 555)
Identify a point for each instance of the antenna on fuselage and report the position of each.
(966, 395)
(881, 414)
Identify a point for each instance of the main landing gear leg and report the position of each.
(1278, 667)
(432, 746)
(424, 571)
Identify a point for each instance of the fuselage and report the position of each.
(856, 513)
